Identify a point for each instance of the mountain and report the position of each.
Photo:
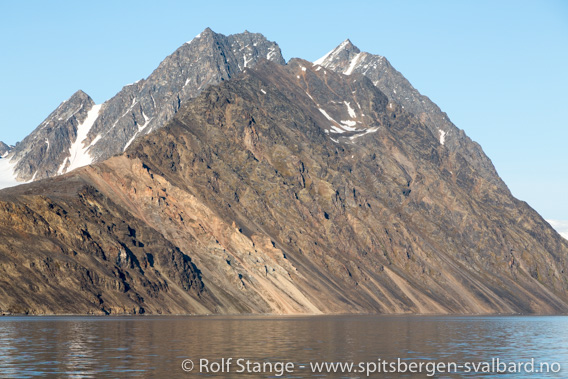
(4, 149)
(348, 59)
(287, 189)
(79, 132)
(6, 168)
(40, 154)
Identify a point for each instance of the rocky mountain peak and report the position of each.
(207, 59)
(347, 46)
(43, 151)
(4, 149)
(341, 58)
(138, 108)
(348, 59)
(79, 95)
(207, 31)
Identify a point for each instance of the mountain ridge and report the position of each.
(139, 107)
(349, 59)
(283, 192)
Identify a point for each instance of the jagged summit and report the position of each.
(47, 149)
(4, 149)
(79, 94)
(346, 48)
(348, 59)
(139, 108)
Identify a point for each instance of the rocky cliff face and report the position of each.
(289, 189)
(41, 153)
(4, 149)
(67, 140)
(348, 59)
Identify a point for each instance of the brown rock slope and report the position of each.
(291, 189)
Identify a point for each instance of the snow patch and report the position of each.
(310, 96)
(130, 141)
(350, 110)
(348, 123)
(146, 119)
(97, 138)
(327, 116)
(352, 64)
(332, 53)
(131, 84)
(336, 130)
(322, 59)
(263, 91)
(346, 126)
(303, 68)
(196, 37)
(78, 154)
(62, 167)
(442, 136)
(74, 113)
(7, 174)
(271, 53)
(141, 127)
(246, 61)
(370, 130)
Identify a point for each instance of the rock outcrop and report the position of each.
(288, 189)
(67, 140)
(4, 149)
(348, 59)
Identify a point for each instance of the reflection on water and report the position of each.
(84, 347)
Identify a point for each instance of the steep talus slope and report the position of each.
(290, 189)
(67, 140)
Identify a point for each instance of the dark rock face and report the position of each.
(148, 104)
(349, 60)
(289, 189)
(5, 149)
(138, 108)
(41, 154)
(75, 254)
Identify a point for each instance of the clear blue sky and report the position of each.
(499, 69)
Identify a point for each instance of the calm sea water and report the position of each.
(155, 347)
